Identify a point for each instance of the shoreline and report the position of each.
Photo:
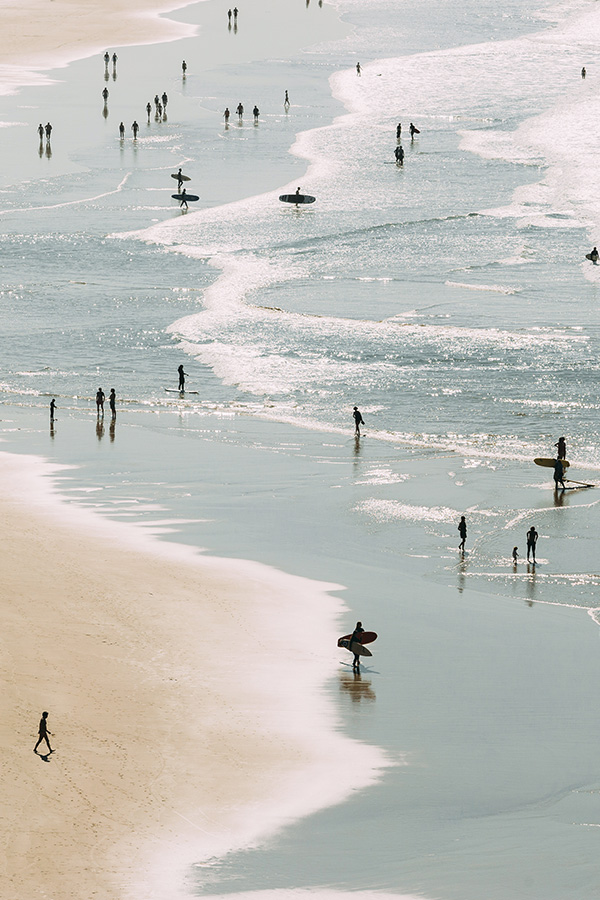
(138, 713)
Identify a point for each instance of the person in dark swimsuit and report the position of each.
(182, 377)
(355, 639)
(532, 537)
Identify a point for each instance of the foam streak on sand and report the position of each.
(170, 748)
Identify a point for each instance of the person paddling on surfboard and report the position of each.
(355, 639)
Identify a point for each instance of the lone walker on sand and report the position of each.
(532, 537)
(462, 530)
(358, 421)
(43, 733)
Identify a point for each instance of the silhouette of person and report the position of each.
(48, 130)
(183, 199)
(149, 109)
(256, 113)
(52, 408)
(229, 15)
(112, 402)
(240, 110)
(226, 115)
(235, 12)
(358, 68)
(105, 94)
(286, 101)
(515, 554)
(561, 448)
(135, 128)
(398, 131)
(399, 154)
(43, 733)
(583, 72)
(182, 377)
(184, 67)
(532, 537)
(462, 530)
(355, 639)
(165, 100)
(413, 130)
(41, 132)
(179, 181)
(594, 255)
(559, 471)
(100, 401)
(159, 110)
(358, 421)
(121, 130)
(106, 58)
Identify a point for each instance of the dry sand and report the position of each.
(184, 705)
(41, 34)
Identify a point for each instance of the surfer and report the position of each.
(182, 377)
(100, 401)
(106, 58)
(399, 131)
(462, 530)
(593, 255)
(561, 448)
(399, 154)
(358, 68)
(43, 733)
(121, 130)
(256, 113)
(135, 128)
(112, 402)
(179, 181)
(532, 537)
(559, 471)
(240, 110)
(183, 199)
(358, 421)
(413, 130)
(355, 639)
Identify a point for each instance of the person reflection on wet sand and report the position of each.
(462, 573)
(530, 584)
(358, 688)
(111, 428)
(99, 429)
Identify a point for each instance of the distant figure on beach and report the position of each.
(515, 554)
(156, 100)
(112, 402)
(52, 408)
(226, 115)
(532, 537)
(235, 13)
(229, 15)
(462, 530)
(182, 377)
(583, 72)
(148, 109)
(561, 448)
(256, 113)
(594, 255)
(105, 95)
(121, 130)
(179, 181)
(183, 204)
(413, 130)
(106, 58)
(355, 639)
(100, 401)
(559, 471)
(41, 132)
(240, 110)
(184, 67)
(358, 68)
(43, 733)
(48, 130)
(159, 110)
(165, 100)
(135, 128)
(399, 154)
(286, 101)
(398, 131)
(114, 60)
(358, 420)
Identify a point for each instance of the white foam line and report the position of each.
(27, 209)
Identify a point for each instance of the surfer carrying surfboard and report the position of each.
(355, 639)
(413, 130)
(358, 421)
(593, 255)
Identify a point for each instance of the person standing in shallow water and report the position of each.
(112, 402)
(135, 128)
(532, 537)
(358, 420)
(43, 733)
(358, 69)
(100, 396)
(561, 448)
(121, 130)
(52, 409)
(462, 530)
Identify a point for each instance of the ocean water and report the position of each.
(449, 298)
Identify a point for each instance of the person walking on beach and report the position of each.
(183, 199)
(112, 402)
(182, 377)
(105, 95)
(559, 472)
(515, 555)
(100, 401)
(240, 110)
(43, 733)
(286, 101)
(165, 100)
(135, 128)
(399, 154)
(355, 639)
(41, 132)
(399, 131)
(462, 530)
(229, 17)
(413, 130)
(532, 537)
(583, 72)
(256, 113)
(358, 420)
(226, 115)
(179, 181)
(235, 13)
(149, 109)
(561, 448)
(48, 130)
(184, 67)
(114, 60)
(52, 408)
(358, 68)
(121, 130)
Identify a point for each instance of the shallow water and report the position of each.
(449, 299)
